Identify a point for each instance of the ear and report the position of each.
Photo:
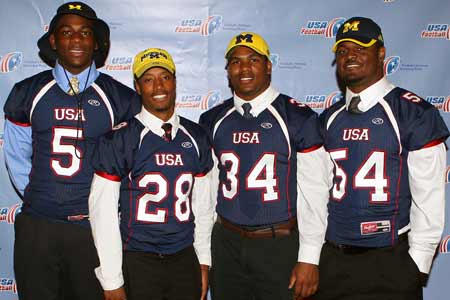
(381, 54)
(52, 41)
(136, 87)
(269, 67)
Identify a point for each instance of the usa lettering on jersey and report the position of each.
(355, 134)
(168, 159)
(69, 114)
(246, 137)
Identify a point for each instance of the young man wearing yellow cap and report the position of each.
(271, 180)
(155, 166)
(52, 121)
(386, 210)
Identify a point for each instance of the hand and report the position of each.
(304, 279)
(205, 271)
(117, 294)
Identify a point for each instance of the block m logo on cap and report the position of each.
(353, 26)
(248, 38)
(77, 7)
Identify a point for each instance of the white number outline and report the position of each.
(61, 148)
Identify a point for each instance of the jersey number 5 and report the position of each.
(370, 175)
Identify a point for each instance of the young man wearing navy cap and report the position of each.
(386, 209)
(52, 121)
(271, 184)
(157, 167)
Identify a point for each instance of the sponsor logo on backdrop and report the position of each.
(211, 25)
(326, 29)
(391, 65)
(1, 139)
(10, 61)
(444, 247)
(322, 101)
(447, 175)
(119, 63)
(202, 102)
(8, 285)
(436, 31)
(440, 102)
(8, 214)
(277, 62)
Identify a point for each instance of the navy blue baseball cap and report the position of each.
(100, 28)
(362, 31)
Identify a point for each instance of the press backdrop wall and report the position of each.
(300, 34)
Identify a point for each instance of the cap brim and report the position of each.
(148, 66)
(248, 46)
(359, 42)
(101, 32)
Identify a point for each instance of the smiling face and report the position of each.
(74, 42)
(157, 88)
(359, 67)
(248, 72)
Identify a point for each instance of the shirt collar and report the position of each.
(371, 95)
(259, 103)
(61, 79)
(154, 123)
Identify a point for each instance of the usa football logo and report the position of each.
(440, 102)
(211, 25)
(211, 99)
(8, 285)
(436, 31)
(119, 63)
(322, 101)
(274, 59)
(326, 29)
(8, 214)
(10, 62)
(447, 175)
(391, 65)
(444, 247)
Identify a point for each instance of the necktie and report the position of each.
(167, 127)
(247, 107)
(73, 86)
(353, 106)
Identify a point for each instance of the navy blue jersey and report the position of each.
(157, 179)
(61, 174)
(371, 198)
(258, 159)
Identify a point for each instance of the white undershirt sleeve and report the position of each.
(427, 184)
(104, 219)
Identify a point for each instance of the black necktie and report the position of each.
(167, 127)
(353, 106)
(247, 107)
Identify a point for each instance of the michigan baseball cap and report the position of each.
(362, 31)
(152, 57)
(251, 40)
(100, 28)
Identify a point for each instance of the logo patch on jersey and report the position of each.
(246, 137)
(120, 125)
(266, 125)
(375, 227)
(377, 121)
(355, 134)
(186, 145)
(168, 159)
(93, 102)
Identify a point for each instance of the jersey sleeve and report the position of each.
(421, 123)
(16, 105)
(113, 154)
(307, 134)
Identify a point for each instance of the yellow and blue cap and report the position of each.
(362, 31)
(249, 39)
(152, 57)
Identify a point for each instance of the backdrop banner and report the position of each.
(196, 32)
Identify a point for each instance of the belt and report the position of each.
(349, 249)
(161, 255)
(271, 231)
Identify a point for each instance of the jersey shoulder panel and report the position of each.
(419, 121)
(209, 118)
(115, 150)
(125, 101)
(301, 120)
(19, 102)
